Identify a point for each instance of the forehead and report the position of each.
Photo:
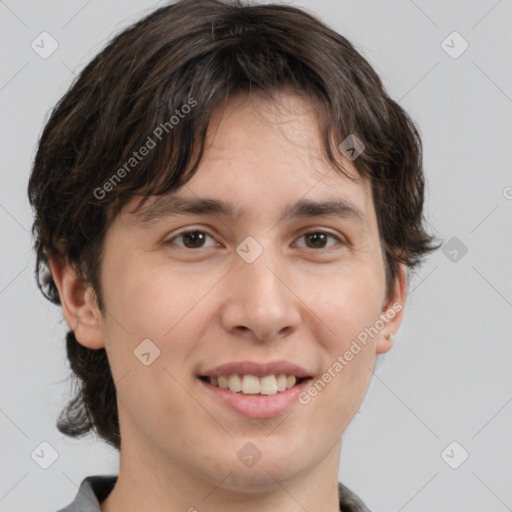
(265, 157)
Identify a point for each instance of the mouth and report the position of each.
(255, 397)
(266, 385)
(255, 389)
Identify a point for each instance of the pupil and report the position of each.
(317, 236)
(197, 235)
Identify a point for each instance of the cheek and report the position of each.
(348, 305)
(349, 352)
(146, 298)
(151, 301)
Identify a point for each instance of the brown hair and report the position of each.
(197, 53)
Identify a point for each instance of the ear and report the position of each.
(78, 304)
(393, 312)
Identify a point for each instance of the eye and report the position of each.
(193, 239)
(318, 239)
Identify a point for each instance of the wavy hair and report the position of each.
(205, 50)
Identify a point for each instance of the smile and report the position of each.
(253, 385)
(255, 405)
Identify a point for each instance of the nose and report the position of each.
(260, 303)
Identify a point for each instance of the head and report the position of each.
(248, 105)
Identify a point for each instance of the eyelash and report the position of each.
(185, 232)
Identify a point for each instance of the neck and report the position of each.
(149, 480)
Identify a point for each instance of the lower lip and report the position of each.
(257, 406)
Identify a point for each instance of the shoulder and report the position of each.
(93, 490)
(350, 501)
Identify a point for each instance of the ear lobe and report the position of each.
(392, 312)
(78, 304)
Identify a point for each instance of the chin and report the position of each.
(261, 478)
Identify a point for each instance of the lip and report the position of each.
(258, 369)
(255, 406)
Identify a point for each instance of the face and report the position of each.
(245, 286)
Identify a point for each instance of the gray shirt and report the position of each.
(94, 489)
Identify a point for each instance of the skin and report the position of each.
(300, 300)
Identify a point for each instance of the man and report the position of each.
(227, 202)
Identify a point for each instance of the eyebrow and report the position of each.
(170, 206)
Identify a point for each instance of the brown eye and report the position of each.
(193, 239)
(318, 239)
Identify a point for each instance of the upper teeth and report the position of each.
(250, 384)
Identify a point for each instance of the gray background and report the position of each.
(448, 376)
